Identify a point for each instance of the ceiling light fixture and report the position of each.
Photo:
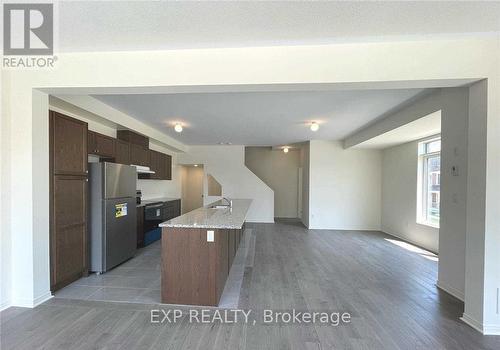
(314, 126)
(285, 149)
(178, 127)
(196, 165)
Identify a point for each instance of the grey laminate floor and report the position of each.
(388, 290)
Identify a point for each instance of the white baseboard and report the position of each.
(472, 322)
(450, 290)
(491, 329)
(42, 298)
(31, 303)
(5, 305)
(485, 329)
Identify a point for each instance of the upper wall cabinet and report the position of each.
(139, 155)
(168, 167)
(161, 164)
(101, 145)
(131, 148)
(132, 137)
(69, 148)
(122, 152)
(155, 161)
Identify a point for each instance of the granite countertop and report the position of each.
(206, 217)
(156, 200)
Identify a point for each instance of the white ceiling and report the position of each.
(146, 25)
(428, 125)
(260, 118)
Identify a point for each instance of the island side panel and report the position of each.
(232, 247)
(189, 265)
(222, 266)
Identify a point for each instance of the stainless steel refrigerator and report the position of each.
(113, 232)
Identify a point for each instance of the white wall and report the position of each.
(226, 164)
(345, 191)
(5, 199)
(399, 197)
(482, 278)
(418, 63)
(305, 163)
(279, 171)
(453, 103)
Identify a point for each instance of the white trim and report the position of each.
(451, 290)
(472, 322)
(489, 329)
(493, 329)
(42, 298)
(32, 303)
(5, 305)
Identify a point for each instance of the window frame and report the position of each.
(422, 181)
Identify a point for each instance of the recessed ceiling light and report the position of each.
(178, 127)
(285, 149)
(196, 165)
(314, 126)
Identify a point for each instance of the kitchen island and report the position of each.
(198, 249)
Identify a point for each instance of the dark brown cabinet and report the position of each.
(161, 164)
(131, 148)
(68, 199)
(154, 164)
(133, 137)
(68, 145)
(194, 271)
(101, 145)
(122, 155)
(168, 167)
(172, 209)
(231, 247)
(69, 230)
(139, 155)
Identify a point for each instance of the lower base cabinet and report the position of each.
(194, 271)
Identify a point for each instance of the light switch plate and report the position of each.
(210, 236)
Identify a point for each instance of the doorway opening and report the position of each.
(191, 187)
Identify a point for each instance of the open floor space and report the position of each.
(388, 290)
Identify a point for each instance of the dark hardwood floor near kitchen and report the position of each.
(389, 291)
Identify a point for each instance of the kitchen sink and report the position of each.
(219, 207)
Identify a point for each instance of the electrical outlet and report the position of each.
(210, 236)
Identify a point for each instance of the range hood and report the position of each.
(143, 169)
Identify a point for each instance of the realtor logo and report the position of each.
(28, 29)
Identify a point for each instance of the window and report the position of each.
(429, 182)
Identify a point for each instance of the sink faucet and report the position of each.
(229, 201)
